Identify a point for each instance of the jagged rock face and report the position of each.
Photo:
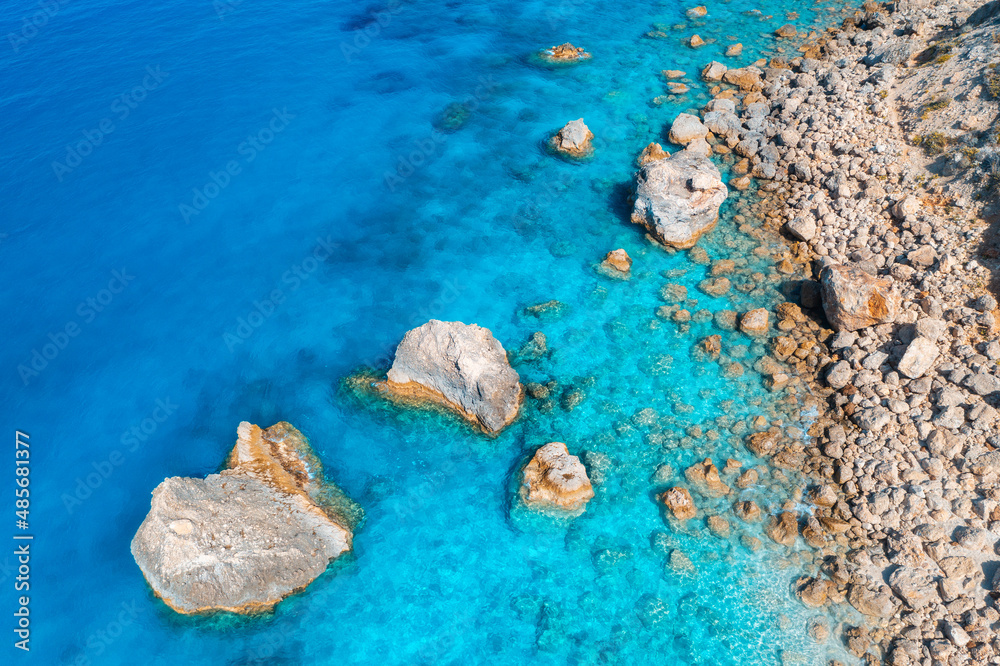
(853, 299)
(245, 538)
(678, 198)
(459, 366)
(553, 480)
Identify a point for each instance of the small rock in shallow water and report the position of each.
(617, 262)
(747, 511)
(564, 53)
(651, 153)
(754, 322)
(554, 480)
(812, 592)
(678, 501)
(574, 139)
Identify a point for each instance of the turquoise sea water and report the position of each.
(216, 212)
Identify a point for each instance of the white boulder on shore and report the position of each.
(458, 366)
(554, 480)
(678, 198)
(243, 539)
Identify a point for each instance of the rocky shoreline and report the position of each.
(876, 160)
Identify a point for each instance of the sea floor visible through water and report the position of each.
(284, 191)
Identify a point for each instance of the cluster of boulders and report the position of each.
(895, 332)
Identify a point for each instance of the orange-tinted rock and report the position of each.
(554, 480)
(678, 501)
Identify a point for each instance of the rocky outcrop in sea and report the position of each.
(245, 538)
(555, 481)
(461, 367)
(677, 198)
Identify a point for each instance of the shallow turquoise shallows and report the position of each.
(171, 171)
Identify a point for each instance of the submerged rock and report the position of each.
(853, 299)
(678, 198)
(243, 539)
(555, 480)
(574, 139)
(458, 366)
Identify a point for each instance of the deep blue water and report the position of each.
(216, 212)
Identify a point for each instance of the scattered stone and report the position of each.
(919, 357)
(564, 53)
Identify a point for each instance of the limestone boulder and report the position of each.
(853, 299)
(575, 139)
(245, 538)
(687, 128)
(678, 198)
(458, 366)
(554, 480)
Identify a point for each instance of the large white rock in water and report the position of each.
(553, 480)
(459, 366)
(678, 198)
(853, 299)
(245, 538)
